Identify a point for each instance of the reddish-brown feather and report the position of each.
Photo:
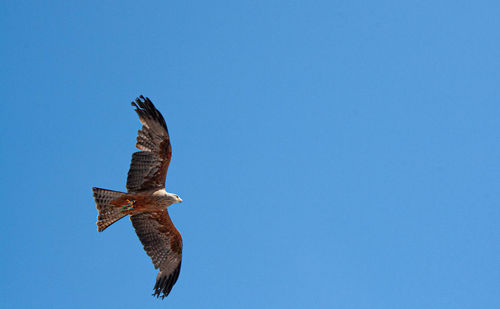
(141, 203)
(144, 204)
(167, 227)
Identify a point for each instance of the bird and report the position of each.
(146, 200)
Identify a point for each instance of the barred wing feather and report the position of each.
(163, 243)
(148, 168)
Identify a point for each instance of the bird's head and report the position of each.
(177, 199)
(174, 198)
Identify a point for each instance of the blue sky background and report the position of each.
(330, 154)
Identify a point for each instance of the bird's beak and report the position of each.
(179, 200)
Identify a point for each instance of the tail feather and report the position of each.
(108, 213)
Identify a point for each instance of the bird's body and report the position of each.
(146, 200)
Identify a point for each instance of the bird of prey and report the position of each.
(146, 200)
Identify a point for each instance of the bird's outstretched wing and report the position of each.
(148, 168)
(163, 244)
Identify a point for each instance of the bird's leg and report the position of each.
(129, 206)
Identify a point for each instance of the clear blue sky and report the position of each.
(330, 154)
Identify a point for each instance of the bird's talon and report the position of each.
(129, 206)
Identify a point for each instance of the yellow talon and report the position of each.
(129, 206)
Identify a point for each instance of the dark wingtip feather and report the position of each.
(144, 106)
(165, 284)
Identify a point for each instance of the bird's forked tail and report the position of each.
(108, 213)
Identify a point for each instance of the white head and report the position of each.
(175, 198)
(170, 197)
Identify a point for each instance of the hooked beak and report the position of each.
(179, 200)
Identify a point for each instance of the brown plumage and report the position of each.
(146, 200)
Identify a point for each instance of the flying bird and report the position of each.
(146, 199)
